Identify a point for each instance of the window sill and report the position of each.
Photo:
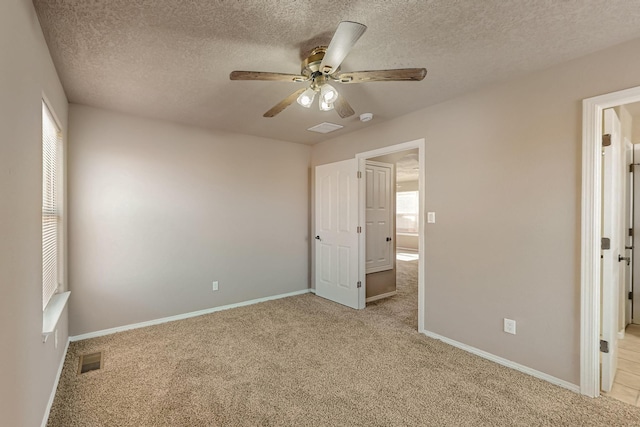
(52, 313)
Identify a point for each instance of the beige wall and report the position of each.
(380, 283)
(28, 366)
(407, 241)
(159, 211)
(503, 169)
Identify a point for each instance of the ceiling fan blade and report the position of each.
(345, 37)
(284, 103)
(398, 75)
(273, 77)
(342, 107)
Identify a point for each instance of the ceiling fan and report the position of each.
(322, 67)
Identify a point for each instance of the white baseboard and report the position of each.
(45, 420)
(183, 316)
(505, 362)
(377, 297)
(312, 290)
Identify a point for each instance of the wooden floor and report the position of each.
(626, 386)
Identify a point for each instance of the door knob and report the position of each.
(318, 238)
(624, 258)
(388, 239)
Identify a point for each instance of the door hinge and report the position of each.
(631, 232)
(606, 140)
(631, 295)
(631, 168)
(359, 174)
(604, 346)
(359, 284)
(359, 229)
(605, 243)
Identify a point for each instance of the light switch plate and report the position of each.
(431, 217)
(510, 326)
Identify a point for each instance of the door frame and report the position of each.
(362, 157)
(592, 126)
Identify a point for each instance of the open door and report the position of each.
(626, 300)
(635, 301)
(379, 213)
(336, 196)
(612, 246)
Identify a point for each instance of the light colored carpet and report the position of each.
(305, 361)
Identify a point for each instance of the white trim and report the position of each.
(381, 296)
(362, 240)
(52, 312)
(505, 362)
(590, 234)
(183, 316)
(312, 290)
(379, 269)
(420, 144)
(47, 411)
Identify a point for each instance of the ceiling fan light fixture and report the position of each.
(328, 93)
(306, 98)
(325, 106)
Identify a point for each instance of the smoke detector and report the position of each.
(365, 117)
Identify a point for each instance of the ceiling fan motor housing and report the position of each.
(311, 64)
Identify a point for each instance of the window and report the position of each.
(407, 203)
(51, 156)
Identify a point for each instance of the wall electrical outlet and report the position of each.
(215, 286)
(510, 326)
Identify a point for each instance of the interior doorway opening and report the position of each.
(392, 248)
(400, 289)
(606, 311)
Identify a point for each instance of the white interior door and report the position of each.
(612, 226)
(379, 212)
(336, 190)
(628, 237)
(636, 232)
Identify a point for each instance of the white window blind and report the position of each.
(51, 146)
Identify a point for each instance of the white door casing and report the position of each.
(379, 183)
(591, 233)
(336, 236)
(612, 229)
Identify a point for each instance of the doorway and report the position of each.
(603, 303)
(392, 290)
(409, 159)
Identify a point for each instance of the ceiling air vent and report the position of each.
(90, 362)
(325, 127)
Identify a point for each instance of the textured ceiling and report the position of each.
(171, 59)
